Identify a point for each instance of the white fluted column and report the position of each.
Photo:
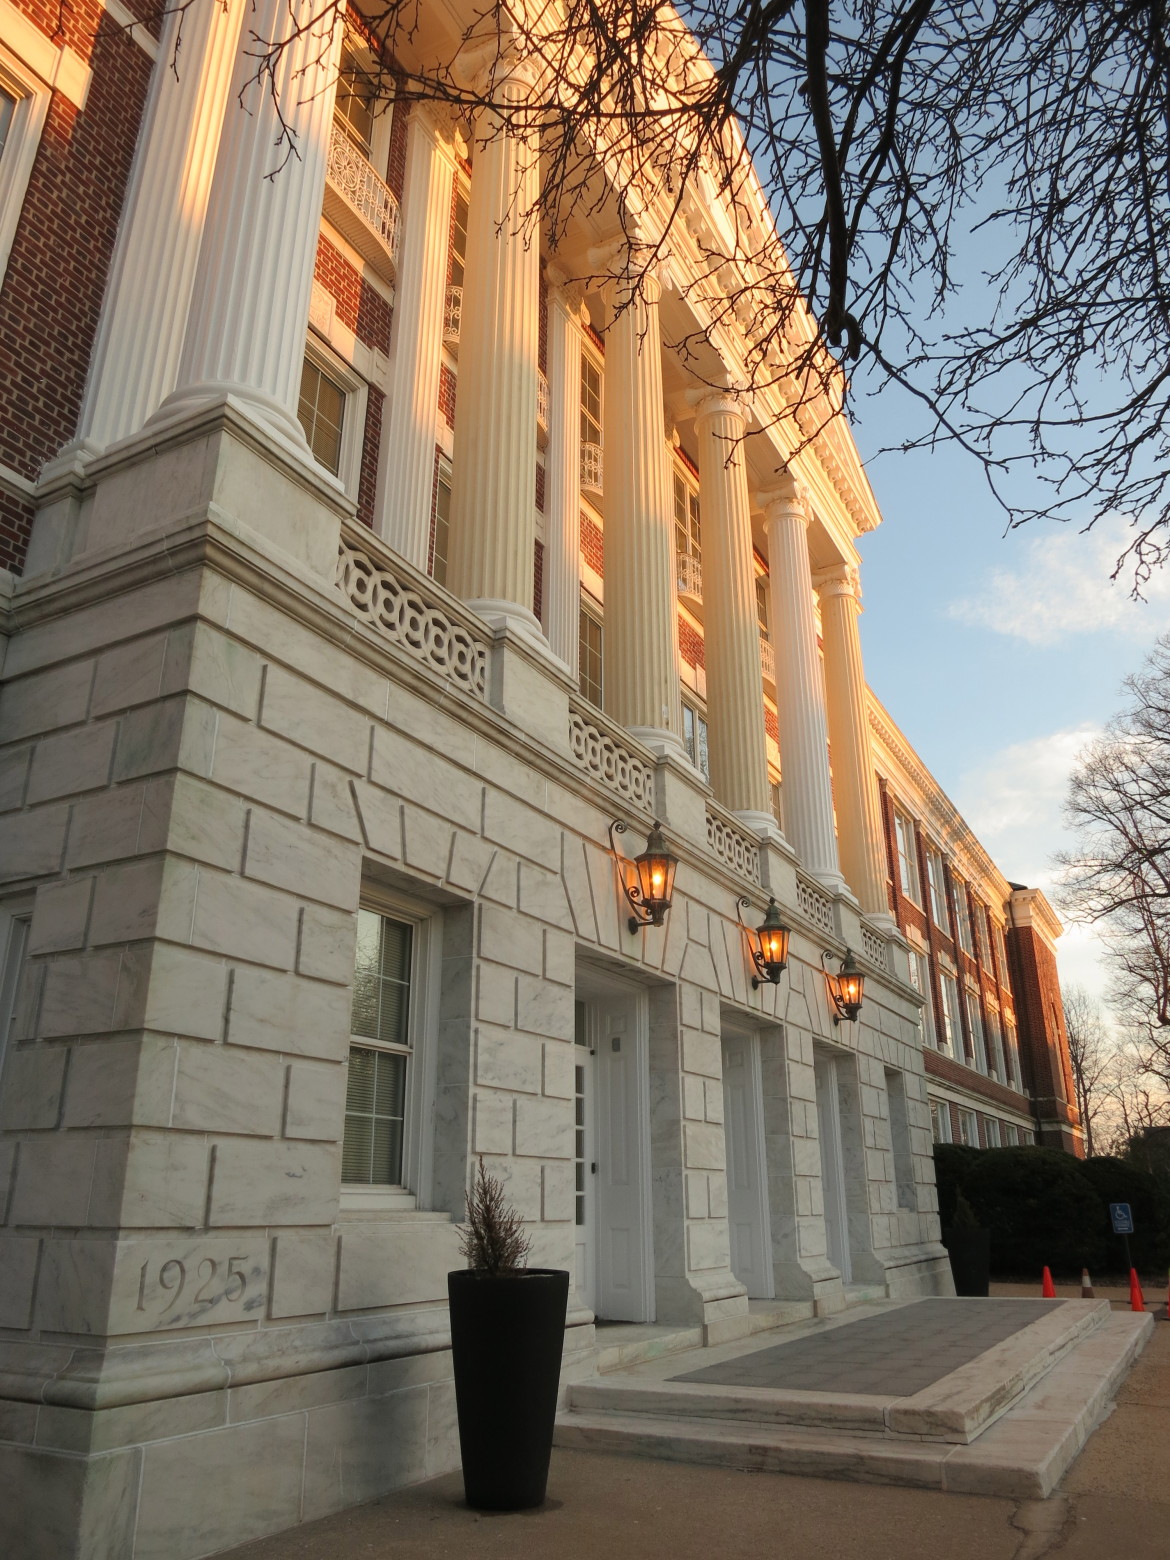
(250, 303)
(800, 691)
(859, 824)
(144, 315)
(408, 452)
(493, 522)
(737, 744)
(562, 476)
(641, 589)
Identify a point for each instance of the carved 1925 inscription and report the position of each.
(171, 1284)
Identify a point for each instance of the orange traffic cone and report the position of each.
(1136, 1298)
(1086, 1285)
(1048, 1288)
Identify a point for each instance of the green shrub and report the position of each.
(952, 1164)
(1040, 1208)
(1114, 1180)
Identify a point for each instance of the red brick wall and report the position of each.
(690, 644)
(360, 307)
(540, 487)
(447, 385)
(56, 274)
(593, 545)
(949, 1071)
(371, 444)
(538, 582)
(772, 725)
(1043, 1041)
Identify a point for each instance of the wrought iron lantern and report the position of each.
(846, 988)
(649, 891)
(768, 945)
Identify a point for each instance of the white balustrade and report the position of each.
(591, 468)
(359, 203)
(452, 315)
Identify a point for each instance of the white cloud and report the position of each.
(1013, 801)
(1062, 587)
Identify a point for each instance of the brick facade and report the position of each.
(361, 308)
(61, 251)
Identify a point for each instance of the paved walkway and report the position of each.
(1115, 1505)
(896, 1354)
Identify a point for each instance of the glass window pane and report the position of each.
(321, 412)
(374, 1117)
(354, 106)
(7, 112)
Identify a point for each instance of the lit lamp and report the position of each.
(768, 945)
(650, 892)
(846, 988)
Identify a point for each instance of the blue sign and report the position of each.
(1122, 1218)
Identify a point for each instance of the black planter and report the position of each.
(970, 1254)
(506, 1340)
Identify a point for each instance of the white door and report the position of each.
(747, 1176)
(585, 1158)
(617, 1261)
(832, 1165)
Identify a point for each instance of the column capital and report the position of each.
(839, 579)
(500, 68)
(718, 403)
(790, 499)
(566, 291)
(633, 265)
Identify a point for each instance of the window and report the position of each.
(995, 1051)
(13, 952)
(1000, 953)
(695, 740)
(375, 1101)
(355, 102)
(688, 545)
(457, 254)
(1011, 1136)
(774, 791)
(952, 1023)
(321, 414)
(907, 857)
(762, 604)
(963, 917)
(969, 1129)
(1012, 1046)
(24, 104)
(982, 920)
(991, 1138)
(979, 1057)
(936, 875)
(940, 1121)
(441, 520)
(591, 472)
(8, 103)
(589, 654)
(920, 979)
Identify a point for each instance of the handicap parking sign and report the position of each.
(1122, 1218)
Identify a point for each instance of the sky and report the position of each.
(999, 655)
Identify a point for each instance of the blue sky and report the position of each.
(999, 656)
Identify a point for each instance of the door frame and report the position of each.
(594, 985)
(749, 1035)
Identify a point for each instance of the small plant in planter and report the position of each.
(969, 1248)
(507, 1334)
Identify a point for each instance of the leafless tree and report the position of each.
(1136, 1099)
(1091, 1051)
(972, 199)
(1119, 877)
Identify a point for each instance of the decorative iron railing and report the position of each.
(591, 468)
(352, 175)
(452, 314)
(690, 576)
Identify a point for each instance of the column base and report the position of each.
(273, 415)
(765, 826)
(661, 742)
(833, 883)
(510, 614)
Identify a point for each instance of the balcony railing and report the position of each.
(690, 576)
(591, 468)
(768, 660)
(452, 314)
(360, 204)
(541, 400)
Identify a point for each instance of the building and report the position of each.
(982, 952)
(320, 700)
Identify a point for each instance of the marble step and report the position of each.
(1023, 1455)
(957, 1407)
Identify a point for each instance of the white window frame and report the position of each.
(920, 980)
(1011, 1135)
(992, 1137)
(964, 931)
(353, 417)
(969, 1128)
(937, 891)
(418, 1132)
(979, 1057)
(952, 1022)
(911, 878)
(15, 921)
(940, 1121)
(700, 716)
(384, 110)
(1011, 1047)
(33, 96)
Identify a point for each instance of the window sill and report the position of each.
(385, 1205)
